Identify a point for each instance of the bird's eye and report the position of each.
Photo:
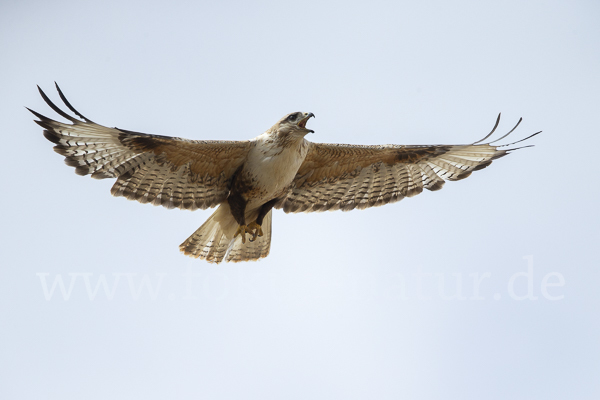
(292, 117)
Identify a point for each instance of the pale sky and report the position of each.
(487, 289)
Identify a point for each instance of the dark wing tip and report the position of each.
(509, 132)
(37, 114)
(54, 107)
(437, 186)
(505, 135)
(82, 170)
(64, 99)
(483, 165)
(522, 140)
(466, 174)
(492, 131)
(51, 136)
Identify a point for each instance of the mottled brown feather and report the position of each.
(160, 170)
(344, 177)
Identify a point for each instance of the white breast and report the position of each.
(273, 167)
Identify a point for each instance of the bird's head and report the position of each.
(293, 125)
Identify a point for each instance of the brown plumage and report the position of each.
(246, 179)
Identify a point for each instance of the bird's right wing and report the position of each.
(162, 170)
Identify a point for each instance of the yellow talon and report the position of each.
(253, 229)
(257, 230)
(242, 229)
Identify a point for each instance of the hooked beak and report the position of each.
(303, 121)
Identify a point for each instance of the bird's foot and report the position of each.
(242, 230)
(257, 230)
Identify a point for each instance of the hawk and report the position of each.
(246, 179)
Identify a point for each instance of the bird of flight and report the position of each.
(247, 179)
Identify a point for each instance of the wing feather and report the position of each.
(344, 177)
(161, 170)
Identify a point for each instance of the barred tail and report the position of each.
(214, 241)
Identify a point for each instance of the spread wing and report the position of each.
(162, 170)
(344, 177)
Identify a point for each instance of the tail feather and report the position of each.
(251, 251)
(214, 241)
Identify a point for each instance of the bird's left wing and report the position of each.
(344, 177)
(162, 170)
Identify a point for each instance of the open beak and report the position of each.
(303, 121)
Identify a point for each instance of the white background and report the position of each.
(348, 305)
